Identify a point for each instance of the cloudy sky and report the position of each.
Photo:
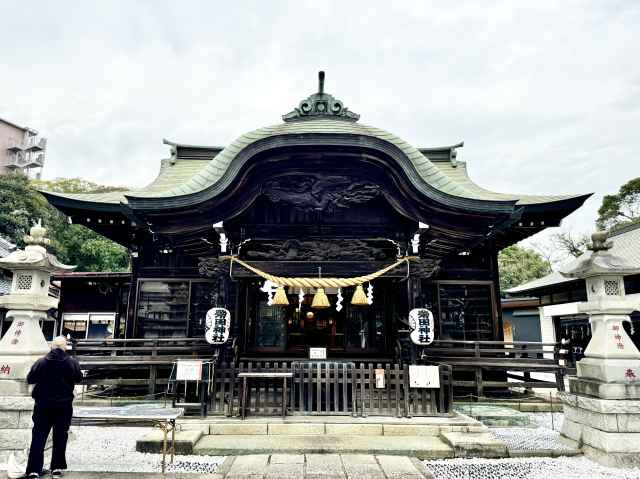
(546, 96)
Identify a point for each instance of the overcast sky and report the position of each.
(546, 97)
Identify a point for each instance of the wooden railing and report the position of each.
(136, 362)
(141, 347)
(480, 357)
(475, 365)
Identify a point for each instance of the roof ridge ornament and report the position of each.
(321, 104)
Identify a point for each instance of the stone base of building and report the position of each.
(607, 430)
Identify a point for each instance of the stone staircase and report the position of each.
(421, 437)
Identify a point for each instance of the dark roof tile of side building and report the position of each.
(6, 247)
(626, 243)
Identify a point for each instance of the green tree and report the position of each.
(21, 204)
(623, 208)
(73, 185)
(88, 250)
(518, 265)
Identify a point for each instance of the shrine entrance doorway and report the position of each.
(347, 331)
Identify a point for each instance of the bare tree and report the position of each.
(571, 244)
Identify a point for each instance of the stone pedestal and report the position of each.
(608, 430)
(602, 407)
(23, 343)
(15, 427)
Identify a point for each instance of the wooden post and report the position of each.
(559, 371)
(284, 396)
(479, 385)
(526, 374)
(153, 376)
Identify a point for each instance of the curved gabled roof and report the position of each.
(180, 177)
(185, 179)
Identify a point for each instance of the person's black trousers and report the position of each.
(45, 417)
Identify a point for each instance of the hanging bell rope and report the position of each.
(320, 282)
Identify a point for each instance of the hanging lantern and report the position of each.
(359, 298)
(320, 300)
(280, 298)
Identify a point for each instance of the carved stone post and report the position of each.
(27, 304)
(602, 407)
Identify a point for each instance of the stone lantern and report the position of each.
(602, 407)
(23, 343)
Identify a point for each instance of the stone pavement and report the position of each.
(323, 466)
(292, 466)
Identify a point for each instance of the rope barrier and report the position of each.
(319, 282)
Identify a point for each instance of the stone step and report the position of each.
(422, 447)
(153, 442)
(375, 426)
(475, 445)
(317, 429)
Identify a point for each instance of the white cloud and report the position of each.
(546, 97)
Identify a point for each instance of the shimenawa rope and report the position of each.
(319, 282)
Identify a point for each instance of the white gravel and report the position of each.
(114, 449)
(530, 468)
(544, 437)
(541, 437)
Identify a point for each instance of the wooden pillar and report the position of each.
(495, 276)
(131, 314)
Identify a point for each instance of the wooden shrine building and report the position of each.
(319, 193)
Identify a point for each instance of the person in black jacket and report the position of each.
(55, 376)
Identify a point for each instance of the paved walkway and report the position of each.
(292, 466)
(323, 466)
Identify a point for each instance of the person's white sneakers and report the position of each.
(33, 475)
(56, 473)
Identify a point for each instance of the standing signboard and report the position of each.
(189, 370)
(424, 376)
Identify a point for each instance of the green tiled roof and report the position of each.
(457, 171)
(183, 177)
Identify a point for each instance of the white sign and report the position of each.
(379, 378)
(189, 371)
(424, 376)
(218, 323)
(317, 353)
(421, 325)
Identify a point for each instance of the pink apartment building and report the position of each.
(21, 149)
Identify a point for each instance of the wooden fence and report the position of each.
(330, 388)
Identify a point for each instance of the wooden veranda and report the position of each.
(329, 387)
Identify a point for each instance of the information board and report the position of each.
(424, 376)
(189, 371)
(317, 353)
